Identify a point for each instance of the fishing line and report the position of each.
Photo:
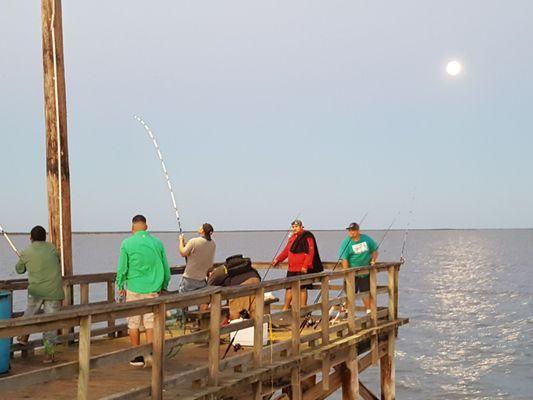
(406, 233)
(3, 232)
(163, 167)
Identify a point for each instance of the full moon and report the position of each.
(453, 68)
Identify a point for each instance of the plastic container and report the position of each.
(5, 343)
(245, 337)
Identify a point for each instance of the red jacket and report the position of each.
(298, 261)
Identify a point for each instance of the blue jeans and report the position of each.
(48, 306)
(190, 285)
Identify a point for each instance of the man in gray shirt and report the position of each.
(200, 255)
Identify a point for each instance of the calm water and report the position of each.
(468, 295)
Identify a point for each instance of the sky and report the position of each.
(267, 110)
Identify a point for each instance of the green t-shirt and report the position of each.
(358, 253)
(41, 261)
(143, 264)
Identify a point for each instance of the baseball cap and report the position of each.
(297, 222)
(354, 226)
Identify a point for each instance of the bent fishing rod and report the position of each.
(8, 239)
(163, 167)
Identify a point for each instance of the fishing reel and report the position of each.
(244, 314)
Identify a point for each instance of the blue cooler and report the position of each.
(5, 343)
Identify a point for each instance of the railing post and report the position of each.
(392, 293)
(396, 276)
(84, 357)
(67, 301)
(349, 286)
(374, 314)
(84, 293)
(158, 346)
(258, 327)
(295, 318)
(324, 294)
(214, 339)
(111, 299)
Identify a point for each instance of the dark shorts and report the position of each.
(297, 273)
(362, 284)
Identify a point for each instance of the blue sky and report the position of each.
(267, 109)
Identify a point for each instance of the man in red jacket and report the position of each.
(302, 251)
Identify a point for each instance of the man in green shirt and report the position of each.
(45, 290)
(142, 273)
(359, 250)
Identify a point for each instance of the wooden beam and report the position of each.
(84, 358)
(55, 110)
(214, 340)
(392, 293)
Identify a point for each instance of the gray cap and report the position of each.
(297, 222)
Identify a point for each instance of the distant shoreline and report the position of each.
(284, 230)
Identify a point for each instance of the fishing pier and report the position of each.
(309, 363)
(189, 360)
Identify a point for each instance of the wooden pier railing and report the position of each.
(338, 352)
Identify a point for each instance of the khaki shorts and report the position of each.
(134, 322)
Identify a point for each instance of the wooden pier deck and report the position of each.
(303, 364)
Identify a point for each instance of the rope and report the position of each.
(58, 139)
(9, 240)
(163, 167)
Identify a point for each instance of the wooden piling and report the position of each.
(55, 108)
(374, 314)
(258, 327)
(387, 370)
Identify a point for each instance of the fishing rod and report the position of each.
(3, 232)
(279, 247)
(163, 167)
(388, 230)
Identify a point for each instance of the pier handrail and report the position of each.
(357, 328)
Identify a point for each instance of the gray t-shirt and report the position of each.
(200, 254)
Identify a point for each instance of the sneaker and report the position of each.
(137, 361)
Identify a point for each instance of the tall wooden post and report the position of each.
(55, 109)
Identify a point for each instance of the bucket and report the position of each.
(5, 343)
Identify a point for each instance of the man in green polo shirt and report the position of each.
(359, 250)
(142, 273)
(45, 289)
